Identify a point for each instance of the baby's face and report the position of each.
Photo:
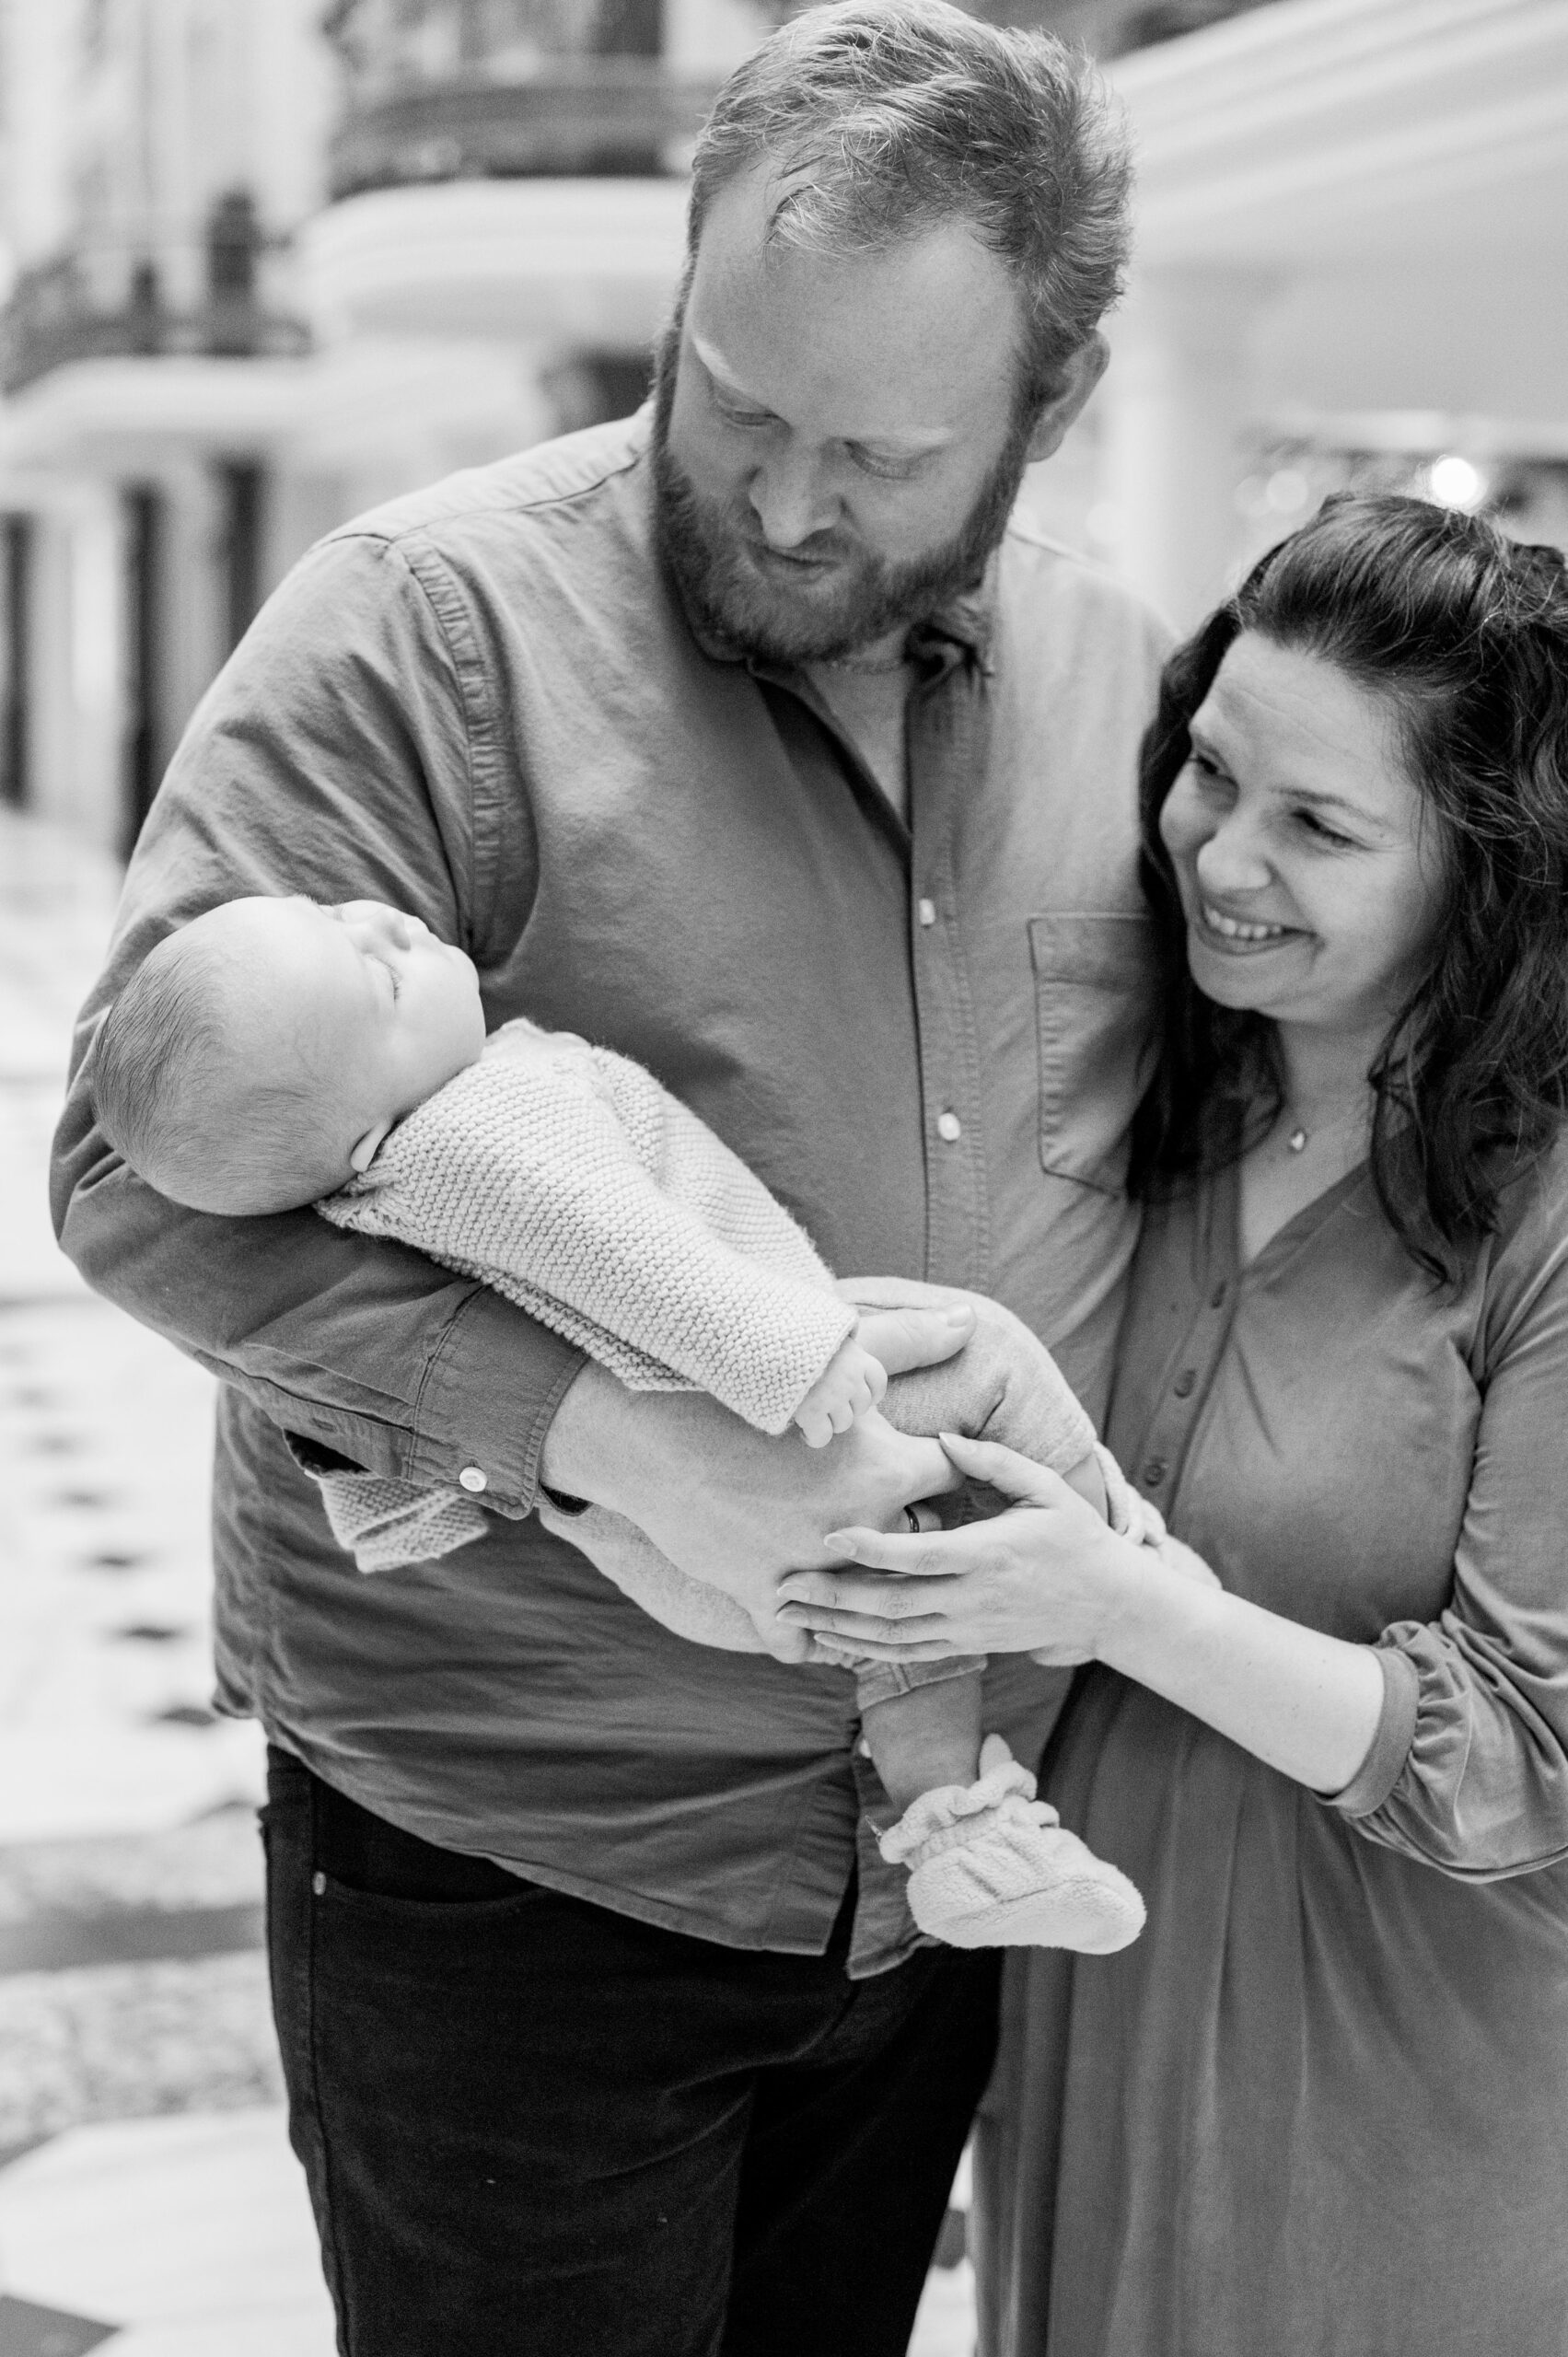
(367, 1000)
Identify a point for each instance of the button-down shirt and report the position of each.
(485, 704)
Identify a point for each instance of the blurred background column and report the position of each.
(1173, 413)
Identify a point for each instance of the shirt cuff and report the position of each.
(487, 1402)
(1385, 1763)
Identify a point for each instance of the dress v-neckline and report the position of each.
(1292, 1232)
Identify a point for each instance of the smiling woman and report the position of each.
(1322, 2104)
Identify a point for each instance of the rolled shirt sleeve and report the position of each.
(338, 755)
(1469, 1769)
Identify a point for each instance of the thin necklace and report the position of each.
(1300, 1138)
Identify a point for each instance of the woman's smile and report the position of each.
(1296, 798)
(1237, 937)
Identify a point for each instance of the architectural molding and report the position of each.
(578, 262)
(1319, 128)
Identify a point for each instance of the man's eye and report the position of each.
(732, 416)
(870, 463)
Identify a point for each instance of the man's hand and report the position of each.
(730, 1505)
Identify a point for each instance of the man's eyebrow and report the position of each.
(713, 361)
(914, 442)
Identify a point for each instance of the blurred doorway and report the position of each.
(16, 657)
(146, 532)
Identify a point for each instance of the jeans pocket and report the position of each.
(1094, 977)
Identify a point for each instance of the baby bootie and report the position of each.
(991, 1867)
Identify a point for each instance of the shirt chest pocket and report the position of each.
(1094, 984)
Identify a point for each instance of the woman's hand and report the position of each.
(1044, 1577)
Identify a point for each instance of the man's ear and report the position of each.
(365, 1151)
(1076, 378)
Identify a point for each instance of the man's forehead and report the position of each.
(900, 343)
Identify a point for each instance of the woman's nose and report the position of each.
(789, 499)
(1232, 860)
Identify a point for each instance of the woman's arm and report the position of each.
(1467, 1767)
(1050, 1576)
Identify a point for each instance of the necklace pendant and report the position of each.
(1297, 1141)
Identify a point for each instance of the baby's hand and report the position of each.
(848, 1387)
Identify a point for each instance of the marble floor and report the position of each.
(149, 2203)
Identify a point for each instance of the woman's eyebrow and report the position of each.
(1324, 801)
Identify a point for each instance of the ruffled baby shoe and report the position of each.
(991, 1867)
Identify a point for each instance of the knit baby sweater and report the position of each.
(567, 1179)
(564, 1177)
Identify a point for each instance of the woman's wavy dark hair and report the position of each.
(1466, 633)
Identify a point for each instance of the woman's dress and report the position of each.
(1320, 2108)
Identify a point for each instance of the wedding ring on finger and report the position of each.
(922, 1517)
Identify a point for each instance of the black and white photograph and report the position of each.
(783, 1178)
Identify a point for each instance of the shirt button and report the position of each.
(472, 1477)
(949, 1127)
(926, 911)
(1154, 1472)
(1184, 1382)
(1216, 1297)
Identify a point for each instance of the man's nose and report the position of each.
(790, 500)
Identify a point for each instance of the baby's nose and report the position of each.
(382, 924)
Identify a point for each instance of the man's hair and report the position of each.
(1464, 635)
(188, 1113)
(893, 117)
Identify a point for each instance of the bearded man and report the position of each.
(751, 738)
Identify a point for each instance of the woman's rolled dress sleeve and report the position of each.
(1469, 1769)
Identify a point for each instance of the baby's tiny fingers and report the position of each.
(1003, 1469)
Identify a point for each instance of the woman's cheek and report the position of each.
(1182, 823)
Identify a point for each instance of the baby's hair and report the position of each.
(190, 1115)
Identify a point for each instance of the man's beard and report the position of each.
(705, 545)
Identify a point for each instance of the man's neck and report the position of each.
(868, 694)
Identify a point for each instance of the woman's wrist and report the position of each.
(1148, 1610)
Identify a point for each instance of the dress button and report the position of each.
(472, 1477)
(949, 1126)
(1216, 1297)
(926, 911)
(1183, 1384)
(1154, 1472)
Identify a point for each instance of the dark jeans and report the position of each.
(531, 2125)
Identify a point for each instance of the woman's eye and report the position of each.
(1323, 833)
(741, 416)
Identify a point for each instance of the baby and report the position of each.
(275, 1053)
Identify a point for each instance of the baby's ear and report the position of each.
(369, 1145)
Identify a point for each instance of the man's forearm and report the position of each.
(367, 1348)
